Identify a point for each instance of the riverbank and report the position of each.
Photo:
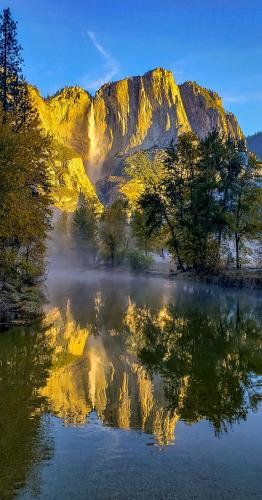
(21, 307)
(26, 306)
(239, 278)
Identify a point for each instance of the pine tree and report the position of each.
(14, 96)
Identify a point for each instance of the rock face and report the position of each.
(65, 117)
(69, 179)
(136, 113)
(254, 143)
(205, 112)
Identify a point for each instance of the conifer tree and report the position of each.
(14, 96)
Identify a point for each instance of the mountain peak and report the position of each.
(69, 92)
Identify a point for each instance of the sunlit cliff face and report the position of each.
(133, 114)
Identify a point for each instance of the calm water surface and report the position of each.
(133, 388)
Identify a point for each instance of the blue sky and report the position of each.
(218, 43)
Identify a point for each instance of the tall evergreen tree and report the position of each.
(244, 219)
(14, 96)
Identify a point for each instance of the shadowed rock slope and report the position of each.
(254, 143)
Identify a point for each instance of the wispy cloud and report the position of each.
(104, 73)
(97, 45)
(241, 98)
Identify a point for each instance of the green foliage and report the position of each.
(244, 219)
(10, 62)
(142, 239)
(104, 235)
(113, 232)
(25, 156)
(85, 222)
(146, 167)
(24, 200)
(139, 231)
(14, 96)
(25, 216)
(138, 261)
(209, 192)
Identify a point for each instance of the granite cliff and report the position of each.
(136, 113)
(254, 143)
(205, 112)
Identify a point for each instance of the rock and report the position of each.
(65, 117)
(69, 180)
(254, 143)
(205, 112)
(136, 113)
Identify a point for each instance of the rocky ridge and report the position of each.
(133, 114)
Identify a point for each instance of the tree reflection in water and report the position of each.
(210, 359)
(24, 363)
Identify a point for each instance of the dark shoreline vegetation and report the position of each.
(198, 202)
(228, 278)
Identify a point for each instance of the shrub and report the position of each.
(138, 261)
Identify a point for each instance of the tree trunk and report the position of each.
(112, 258)
(237, 240)
(5, 75)
(180, 263)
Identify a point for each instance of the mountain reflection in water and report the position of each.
(142, 354)
(146, 364)
(97, 372)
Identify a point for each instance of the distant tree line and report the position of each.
(101, 236)
(200, 200)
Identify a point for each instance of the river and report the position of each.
(133, 388)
